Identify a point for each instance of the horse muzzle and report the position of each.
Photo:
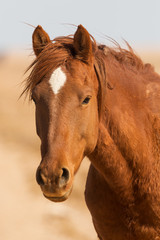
(58, 198)
(55, 186)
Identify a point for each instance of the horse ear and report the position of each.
(39, 40)
(83, 45)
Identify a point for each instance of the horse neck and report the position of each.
(106, 158)
(124, 149)
(109, 163)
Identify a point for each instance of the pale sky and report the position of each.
(137, 21)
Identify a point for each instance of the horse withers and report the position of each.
(103, 103)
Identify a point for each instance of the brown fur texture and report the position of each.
(123, 185)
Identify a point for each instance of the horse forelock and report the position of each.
(54, 54)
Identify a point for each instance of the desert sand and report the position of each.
(24, 212)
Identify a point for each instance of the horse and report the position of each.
(103, 103)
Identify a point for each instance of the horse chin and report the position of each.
(58, 199)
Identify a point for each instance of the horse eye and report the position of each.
(86, 100)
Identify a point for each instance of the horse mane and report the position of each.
(58, 51)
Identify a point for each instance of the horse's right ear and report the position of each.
(39, 40)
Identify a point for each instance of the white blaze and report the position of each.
(57, 80)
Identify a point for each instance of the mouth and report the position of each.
(58, 199)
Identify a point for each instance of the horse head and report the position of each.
(65, 92)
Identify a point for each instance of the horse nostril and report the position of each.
(61, 180)
(39, 177)
(64, 177)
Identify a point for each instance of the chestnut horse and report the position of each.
(103, 103)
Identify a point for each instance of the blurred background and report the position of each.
(24, 212)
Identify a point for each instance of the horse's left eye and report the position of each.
(86, 100)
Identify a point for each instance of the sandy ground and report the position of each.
(24, 212)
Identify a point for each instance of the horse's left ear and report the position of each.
(39, 39)
(83, 45)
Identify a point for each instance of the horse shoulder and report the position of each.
(105, 210)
